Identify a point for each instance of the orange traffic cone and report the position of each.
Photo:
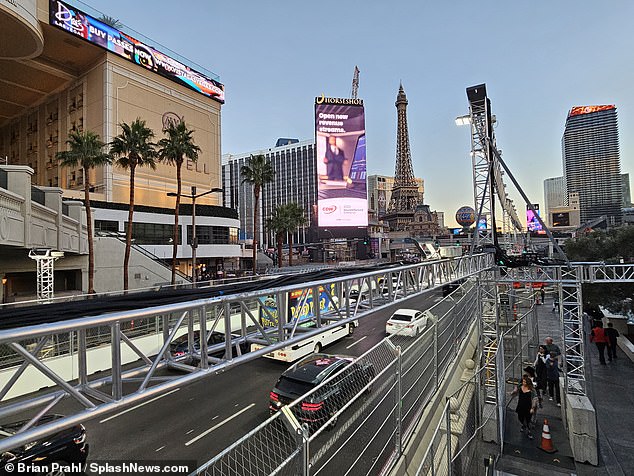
(547, 442)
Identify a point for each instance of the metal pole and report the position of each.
(194, 238)
(399, 402)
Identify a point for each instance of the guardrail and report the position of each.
(371, 420)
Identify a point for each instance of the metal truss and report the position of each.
(489, 330)
(255, 317)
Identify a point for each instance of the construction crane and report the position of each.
(355, 83)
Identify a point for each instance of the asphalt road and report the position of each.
(198, 421)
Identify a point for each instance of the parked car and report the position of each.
(350, 378)
(179, 347)
(406, 322)
(66, 448)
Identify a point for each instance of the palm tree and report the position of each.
(257, 173)
(133, 148)
(86, 150)
(295, 216)
(278, 224)
(173, 149)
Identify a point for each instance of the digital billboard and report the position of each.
(80, 24)
(561, 219)
(579, 110)
(532, 223)
(342, 198)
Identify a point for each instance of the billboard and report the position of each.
(300, 306)
(532, 223)
(561, 219)
(80, 24)
(579, 110)
(342, 198)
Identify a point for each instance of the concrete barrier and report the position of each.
(626, 346)
(582, 428)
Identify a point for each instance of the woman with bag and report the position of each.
(541, 362)
(526, 404)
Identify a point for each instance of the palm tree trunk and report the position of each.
(128, 235)
(176, 211)
(290, 248)
(280, 239)
(256, 206)
(91, 250)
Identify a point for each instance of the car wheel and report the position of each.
(417, 331)
(350, 329)
(317, 348)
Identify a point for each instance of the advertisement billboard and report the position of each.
(300, 306)
(80, 24)
(580, 110)
(532, 223)
(561, 219)
(342, 198)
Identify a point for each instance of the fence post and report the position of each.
(436, 354)
(399, 402)
(448, 419)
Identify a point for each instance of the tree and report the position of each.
(173, 149)
(258, 172)
(86, 150)
(278, 224)
(133, 148)
(609, 246)
(295, 219)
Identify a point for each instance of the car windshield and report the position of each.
(293, 387)
(401, 317)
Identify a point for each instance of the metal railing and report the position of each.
(378, 400)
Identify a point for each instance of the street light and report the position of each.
(194, 243)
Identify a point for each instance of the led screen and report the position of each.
(561, 219)
(341, 162)
(98, 33)
(579, 110)
(532, 223)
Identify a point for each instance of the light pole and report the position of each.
(194, 242)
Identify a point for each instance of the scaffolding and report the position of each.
(44, 259)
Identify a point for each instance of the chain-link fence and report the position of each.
(472, 421)
(359, 420)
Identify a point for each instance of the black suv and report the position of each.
(350, 378)
(67, 448)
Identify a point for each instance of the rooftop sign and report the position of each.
(579, 110)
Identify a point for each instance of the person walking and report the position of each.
(541, 362)
(543, 295)
(601, 340)
(552, 378)
(526, 404)
(552, 348)
(611, 333)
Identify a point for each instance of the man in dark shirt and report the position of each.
(611, 333)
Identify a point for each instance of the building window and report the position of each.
(213, 235)
(106, 226)
(153, 233)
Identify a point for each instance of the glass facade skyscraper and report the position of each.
(592, 163)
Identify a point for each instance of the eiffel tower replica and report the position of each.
(405, 195)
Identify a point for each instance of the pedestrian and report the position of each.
(552, 348)
(526, 404)
(601, 340)
(611, 334)
(552, 378)
(556, 303)
(543, 294)
(541, 361)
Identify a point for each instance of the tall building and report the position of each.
(554, 196)
(627, 192)
(295, 181)
(591, 162)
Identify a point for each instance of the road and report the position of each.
(198, 421)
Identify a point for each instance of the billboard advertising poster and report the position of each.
(299, 306)
(532, 223)
(482, 223)
(80, 24)
(561, 219)
(342, 198)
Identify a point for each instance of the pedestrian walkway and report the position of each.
(613, 399)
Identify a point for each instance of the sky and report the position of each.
(538, 58)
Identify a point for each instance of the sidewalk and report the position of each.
(614, 406)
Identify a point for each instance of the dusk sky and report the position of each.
(537, 58)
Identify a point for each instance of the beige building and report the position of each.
(53, 81)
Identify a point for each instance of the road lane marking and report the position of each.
(190, 431)
(159, 449)
(138, 406)
(355, 343)
(226, 420)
